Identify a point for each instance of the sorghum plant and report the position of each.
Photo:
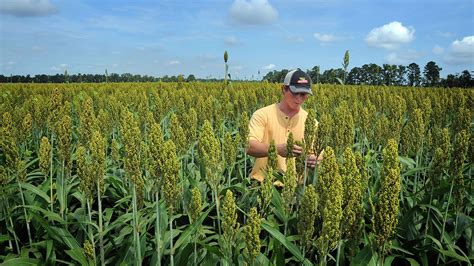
(387, 206)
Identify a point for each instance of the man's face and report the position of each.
(294, 100)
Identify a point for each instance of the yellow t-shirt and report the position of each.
(269, 123)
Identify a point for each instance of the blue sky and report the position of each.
(189, 37)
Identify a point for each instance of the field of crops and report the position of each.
(156, 174)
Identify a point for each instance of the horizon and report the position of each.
(175, 37)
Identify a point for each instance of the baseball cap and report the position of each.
(298, 81)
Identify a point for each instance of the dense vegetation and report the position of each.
(156, 173)
(369, 74)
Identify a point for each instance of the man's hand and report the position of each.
(312, 161)
(283, 151)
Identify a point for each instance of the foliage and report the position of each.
(399, 189)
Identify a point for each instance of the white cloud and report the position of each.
(438, 50)
(253, 12)
(61, 67)
(401, 58)
(324, 37)
(269, 67)
(390, 36)
(465, 46)
(231, 40)
(462, 51)
(174, 62)
(27, 8)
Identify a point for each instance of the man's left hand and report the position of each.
(312, 161)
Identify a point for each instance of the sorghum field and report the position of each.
(156, 174)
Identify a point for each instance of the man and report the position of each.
(276, 121)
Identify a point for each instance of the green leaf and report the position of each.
(364, 257)
(21, 261)
(191, 229)
(185, 254)
(413, 262)
(50, 256)
(453, 254)
(407, 161)
(262, 260)
(78, 255)
(4, 238)
(36, 190)
(397, 247)
(388, 260)
(284, 241)
(47, 214)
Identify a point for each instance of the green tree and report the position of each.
(414, 75)
(314, 74)
(190, 78)
(355, 76)
(389, 74)
(431, 73)
(465, 79)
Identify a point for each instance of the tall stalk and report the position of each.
(245, 164)
(446, 216)
(12, 227)
(157, 228)
(338, 252)
(136, 234)
(216, 198)
(171, 241)
(91, 236)
(51, 173)
(24, 211)
(304, 174)
(63, 195)
(416, 178)
(101, 238)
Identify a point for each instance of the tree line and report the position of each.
(369, 74)
(92, 78)
(387, 74)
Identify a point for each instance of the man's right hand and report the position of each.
(283, 151)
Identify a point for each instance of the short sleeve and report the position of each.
(257, 126)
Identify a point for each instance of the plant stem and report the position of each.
(51, 172)
(135, 228)
(63, 202)
(195, 253)
(91, 237)
(229, 176)
(218, 211)
(416, 179)
(446, 216)
(338, 252)
(24, 211)
(157, 230)
(245, 164)
(456, 226)
(428, 218)
(13, 228)
(171, 240)
(304, 174)
(101, 239)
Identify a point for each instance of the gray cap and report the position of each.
(298, 81)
